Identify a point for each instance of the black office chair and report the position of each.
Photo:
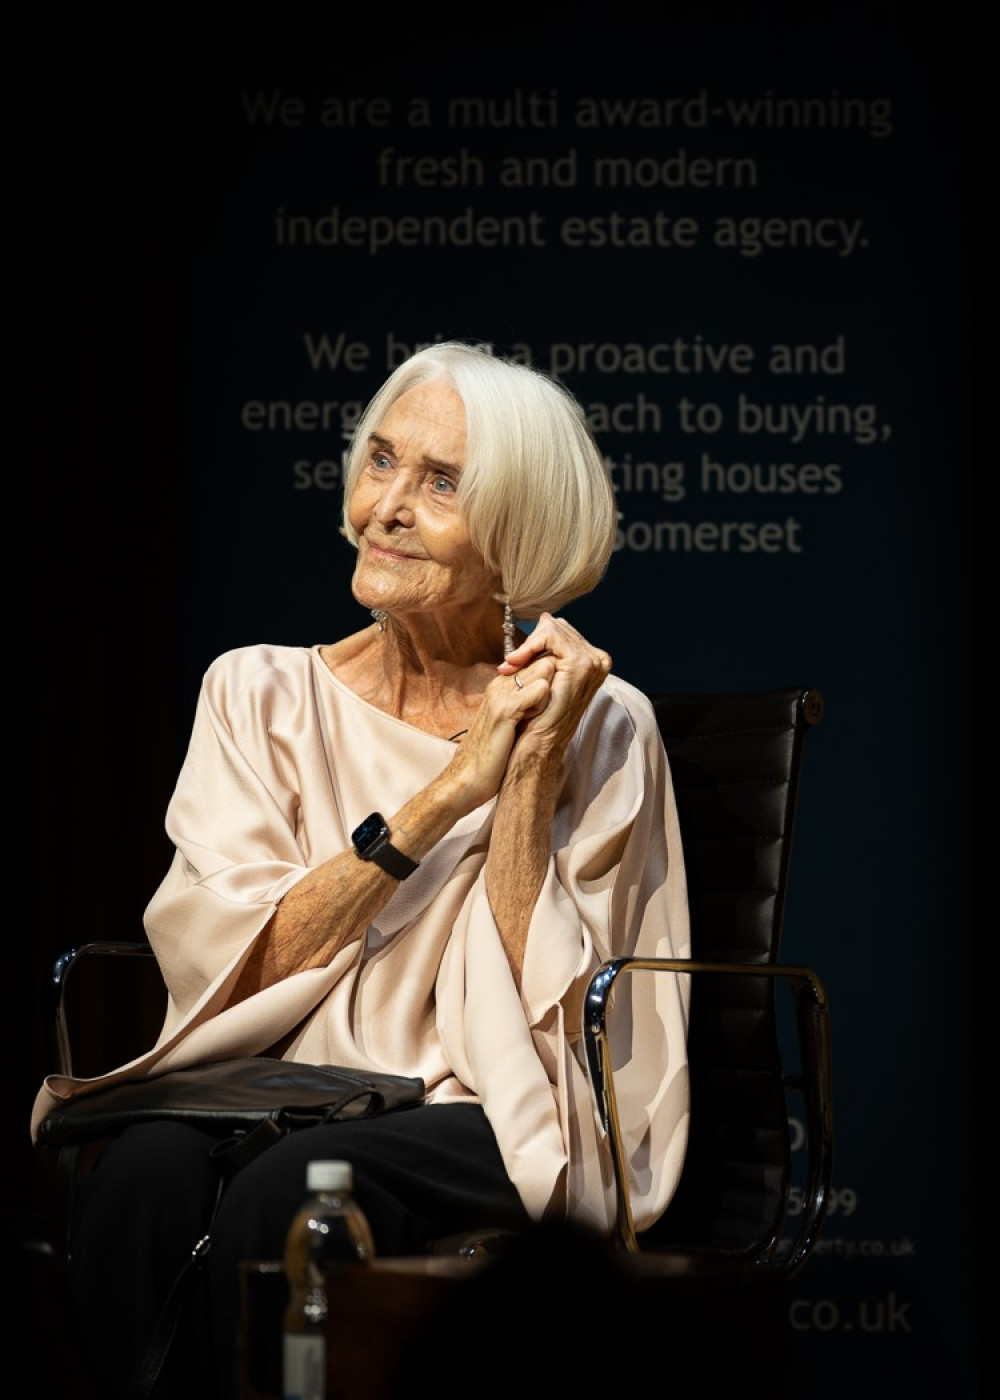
(736, 761)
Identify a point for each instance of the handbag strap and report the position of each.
(168, 1321)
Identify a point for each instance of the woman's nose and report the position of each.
(395, 501)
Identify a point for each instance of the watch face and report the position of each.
(370, 830)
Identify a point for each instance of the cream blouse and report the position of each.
(284, 762)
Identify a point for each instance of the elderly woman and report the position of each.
(409, 850)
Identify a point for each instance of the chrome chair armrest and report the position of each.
(814, 1081)
(58, 984)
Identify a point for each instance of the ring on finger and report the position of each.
(518, 682)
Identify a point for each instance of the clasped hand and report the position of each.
(531, 711)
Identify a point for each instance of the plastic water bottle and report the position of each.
(329, 1231)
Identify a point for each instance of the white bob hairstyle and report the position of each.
(534, 492)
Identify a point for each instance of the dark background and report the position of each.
(163, 532)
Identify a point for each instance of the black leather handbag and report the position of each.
(234, 1098)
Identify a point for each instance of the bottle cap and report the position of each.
(329, 1176)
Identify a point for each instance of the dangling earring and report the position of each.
(508, 628)
(379, 617)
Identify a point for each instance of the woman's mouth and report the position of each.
(383, 551)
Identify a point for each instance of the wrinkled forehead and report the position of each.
(427, 420)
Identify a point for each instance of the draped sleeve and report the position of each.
(283, 762)
(615, 886)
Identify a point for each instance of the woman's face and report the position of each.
(414, 552)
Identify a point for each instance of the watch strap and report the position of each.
(385, 854)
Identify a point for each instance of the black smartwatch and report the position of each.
(371, 841)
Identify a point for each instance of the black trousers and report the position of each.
(419, 1174)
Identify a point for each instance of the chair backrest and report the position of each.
(736, 761)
